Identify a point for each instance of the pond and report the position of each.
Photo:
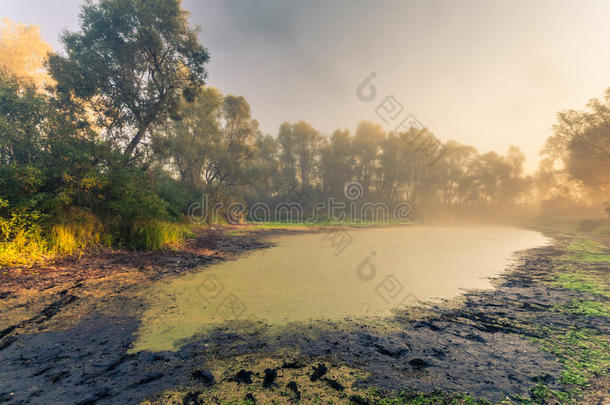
(342, 274)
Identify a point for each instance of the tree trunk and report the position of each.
(135, 141)
(152, 115)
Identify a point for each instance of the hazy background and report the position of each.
(486, 73)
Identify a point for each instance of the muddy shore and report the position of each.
(66, 329)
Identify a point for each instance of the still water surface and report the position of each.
(318, 276)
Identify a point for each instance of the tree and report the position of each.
(392, 168)
(307, 150)
(337, 163)
(265, 163)
(229, 164)
(22, 111)
(134, 59)
(581, 143)
(366, 144)
(453, 166)
(286, 141)
(188, 143)
(23, 53)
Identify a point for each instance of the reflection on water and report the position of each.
(353, 273)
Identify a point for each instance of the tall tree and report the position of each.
(134, 59)
(367, 143)
(22, 110)
(286, 141)
(581, 142)
(337, 163)
(238, 135)
(188, 143)
(307, 150)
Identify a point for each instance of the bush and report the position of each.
(21, 238)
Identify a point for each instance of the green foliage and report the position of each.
(21, 113)
(581, 142)
(154, 235)
(21, 237)
(136, 59)
(131, 137)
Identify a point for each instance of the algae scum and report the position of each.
(329, 276)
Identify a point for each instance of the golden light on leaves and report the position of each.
(23, 52)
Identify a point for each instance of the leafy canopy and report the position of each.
(134, 59)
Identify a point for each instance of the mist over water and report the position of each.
(310, 277)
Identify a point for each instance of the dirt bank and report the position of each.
(65, 333)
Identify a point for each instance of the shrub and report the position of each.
(21, 238)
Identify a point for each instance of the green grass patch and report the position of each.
(579, 280)
(155, 235)
(588, 308)
(586, 251)
(433, 398)
(584, 354)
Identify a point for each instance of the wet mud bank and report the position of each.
(70, 343)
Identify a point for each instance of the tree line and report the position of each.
(119, 133)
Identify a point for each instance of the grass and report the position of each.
(582, 282)
(584, 353)
(78, 232)
(305, 224)
(586, 251)
(283, 224)
(588, 308)
(155, 235)
(433, 398)
(24, 248)
(24, 242)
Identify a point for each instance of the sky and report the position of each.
(486, 73)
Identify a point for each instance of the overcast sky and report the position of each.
(485, 73)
